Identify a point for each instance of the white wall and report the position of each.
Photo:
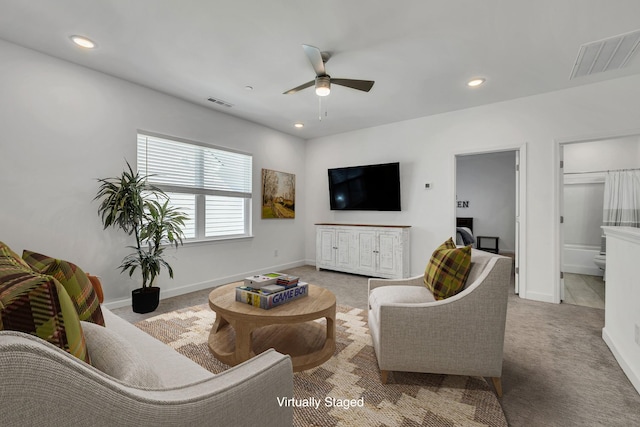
(606, 154)
(488, 182)
(583, 213)
(64, 125)
(426, 148)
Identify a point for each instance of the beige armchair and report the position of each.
(460, 335)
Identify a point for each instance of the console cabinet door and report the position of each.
(367, 244)
(389, 255)
(325, 247)
(344, 252)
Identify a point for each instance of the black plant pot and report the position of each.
(145, 300)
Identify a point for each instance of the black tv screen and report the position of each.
(365, 188)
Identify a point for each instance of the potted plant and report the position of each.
(128, 202)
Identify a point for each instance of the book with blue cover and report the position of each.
(266, 301)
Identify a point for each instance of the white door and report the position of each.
(517, 232)
(561, 219)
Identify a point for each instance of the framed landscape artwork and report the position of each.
(278, 194)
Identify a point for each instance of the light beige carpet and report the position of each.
(410, 399)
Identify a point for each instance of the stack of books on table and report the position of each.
(271, 295)
(287, 281)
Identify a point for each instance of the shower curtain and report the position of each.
(622, 198)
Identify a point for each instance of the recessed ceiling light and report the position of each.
(298, 125)
(83, 42)
(476, 82)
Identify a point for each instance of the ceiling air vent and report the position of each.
(607, 54)
(218, 101)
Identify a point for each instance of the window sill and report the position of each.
(197, 242)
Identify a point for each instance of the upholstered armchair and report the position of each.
(460, 335)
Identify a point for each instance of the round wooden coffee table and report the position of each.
(241, 330)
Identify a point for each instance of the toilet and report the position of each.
(601, 259)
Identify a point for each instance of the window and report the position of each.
(211, 185)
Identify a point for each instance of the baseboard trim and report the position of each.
(626, 368)
(193, 287)
(536, 296)
(580, 269)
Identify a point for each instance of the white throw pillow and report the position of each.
(117, 358)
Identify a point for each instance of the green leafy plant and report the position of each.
(129, 203)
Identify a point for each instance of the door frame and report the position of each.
(559, 143)
(521, 208)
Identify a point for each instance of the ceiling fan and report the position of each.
(323, 81)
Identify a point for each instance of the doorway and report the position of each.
(490, 195)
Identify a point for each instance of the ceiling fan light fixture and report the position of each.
(323, 85)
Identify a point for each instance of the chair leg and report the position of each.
(497, 384)
(384, 376)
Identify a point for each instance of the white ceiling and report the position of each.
(419, 52)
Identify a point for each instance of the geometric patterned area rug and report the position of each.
(408, 399)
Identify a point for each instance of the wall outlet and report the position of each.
(428, 185)
(275, 252)
(637, 334)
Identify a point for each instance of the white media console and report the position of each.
(370, 250)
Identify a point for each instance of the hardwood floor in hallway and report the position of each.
(584, 290)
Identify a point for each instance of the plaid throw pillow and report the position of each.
(97, 287)
(6, 251)
(447, 270)
(38, 305)
(74, 280)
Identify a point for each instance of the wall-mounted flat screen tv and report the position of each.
(365, 188)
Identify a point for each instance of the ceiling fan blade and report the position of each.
(315, 57)
(299, 88)
(363, 85)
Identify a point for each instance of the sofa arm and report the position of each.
(411, 281)
(47, 386)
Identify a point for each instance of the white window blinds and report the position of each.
(211, 185)
(204, 170)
